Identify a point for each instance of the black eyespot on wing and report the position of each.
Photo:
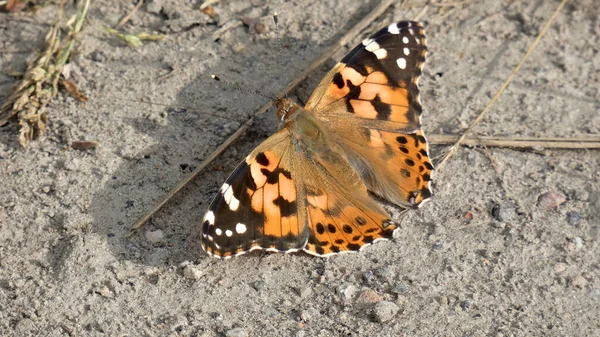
(338, 80)
(262, 159)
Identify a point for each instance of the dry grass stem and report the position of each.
(39, 84)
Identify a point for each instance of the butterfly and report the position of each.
(306, 187)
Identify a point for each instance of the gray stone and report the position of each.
(384, 311)
(237, 332)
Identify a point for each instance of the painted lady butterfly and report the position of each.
(305, 187)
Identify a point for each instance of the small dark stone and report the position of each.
(573, 218)
(369, 277)
(465, 305)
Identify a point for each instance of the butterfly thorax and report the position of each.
(303, 126)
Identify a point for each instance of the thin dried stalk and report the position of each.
(519, 142)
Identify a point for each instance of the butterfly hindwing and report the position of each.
(341, 215)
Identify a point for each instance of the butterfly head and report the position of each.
(286, 108)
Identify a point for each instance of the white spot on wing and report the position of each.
(372, 46)
(218, 231)
(380, 53)
(240, 228)
(210, 217)
(405, 39)
(401, 63)
(393, 29)
(231, 201)
(366, 42)
(228, 233)
(406, 51)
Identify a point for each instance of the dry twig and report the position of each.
(519, 142)
(130, 14)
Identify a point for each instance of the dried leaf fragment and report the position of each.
(72, 89)
(137, 39)
(83, 145)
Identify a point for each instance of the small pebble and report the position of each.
(104, 292)
(369, 277)
(347, 291)
(402, 288)
(367, 297)
(551, 200)
(560, 267)
(579, 281)
(573, 218)
(238, 47)
(258, 285)
(155, 237)
(154, 6)
(465, 305)
(578, 243)
(384, 311)
(237, 332)
(304, 292)
(309, 313)
(192, 273)
(505, 211)
(300, 333)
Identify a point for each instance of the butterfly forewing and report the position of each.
(377, 80)
(256, 207)
(370, 101)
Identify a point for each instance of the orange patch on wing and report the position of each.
(289, 225)
(287, 189)
(398, 114)
(318, 201)
(420, 170)
(255, 168)
(257, 200)
(387, 94)
(363, 109)
(377, 77)
(338, 92)
(271, 211)
(349, 73)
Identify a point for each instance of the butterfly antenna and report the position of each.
(279, 47)
(235, 86)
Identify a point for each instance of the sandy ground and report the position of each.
(527, 264)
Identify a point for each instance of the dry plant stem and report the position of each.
(454, 148)
(31, 82)
(368, 19)
(519, 142)
(40, 82)
(130, 14)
